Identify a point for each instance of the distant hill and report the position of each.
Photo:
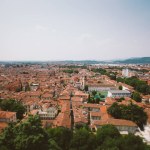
(139, 60)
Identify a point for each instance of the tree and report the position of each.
(76, 71)
(121, 99)
(53, 145)
(86, 88)
(28, 135)
(102, 96)
(94, 93)
(62, 136)
(136, 96)
(7, 137)
(97, 100)
(115, 110)
(89, 99)
(107, 132)
(14, 106)
(130, 112)
(70, 71)
(132, 142)
(120, 87)
(139, 85)
(112, 76)
(83, 140)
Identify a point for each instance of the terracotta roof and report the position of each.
(3, 125)
(6, 114)
(91, 105)
(116, 122)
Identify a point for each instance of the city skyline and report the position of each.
(74, 30)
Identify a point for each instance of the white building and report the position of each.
(119, 93)
(49, 114)
(100, 88)
(125, 72)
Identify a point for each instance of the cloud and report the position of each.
(85, 37)
(41, 28)
(53, 30)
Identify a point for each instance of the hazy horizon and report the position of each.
(51, 30)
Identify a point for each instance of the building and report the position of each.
(125, 72)
(101, 88)
(49, 114)
(118, 93)
(7, 116)
(124, 126)
(128, 73)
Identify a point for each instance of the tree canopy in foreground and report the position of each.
(29, 135)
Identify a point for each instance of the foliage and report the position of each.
(136, 96)
(107, 132)
(120, 87)
(74, 66)
(130, 112)
(135, 143)
(83, 140)
(29, 135)
(139, 85)
(14, 106)
(61, 136)
(86, 88)
(121, 99)
(100, 70)
(102, 96)
(94, 93)
(70, 71)
(7, 138)
(76, 71)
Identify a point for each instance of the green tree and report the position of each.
(7, 137)
(130, 112)
(136, 96)
(14, 106)
(94, 93)
(89, 99)
(83, 140)
(27, 135)
(139, 85)
(120, 87)
(107, 132)
(76, 71)
(62, 136)
(53, 145)
(121, 99)
(115, 110)
(30, 135)
(86, 88)
(132, 142)
(70, 71)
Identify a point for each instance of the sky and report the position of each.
(74, 29)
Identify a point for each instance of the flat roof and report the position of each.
(119, 91)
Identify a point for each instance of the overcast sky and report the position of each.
(74, 29)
